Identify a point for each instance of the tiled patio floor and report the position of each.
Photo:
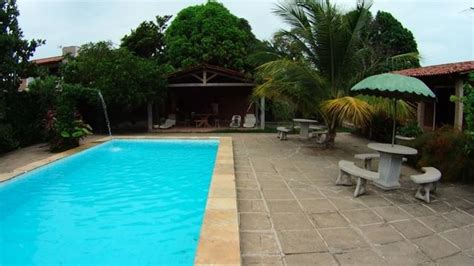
(292, 213)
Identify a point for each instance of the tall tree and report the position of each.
(333, 49)
(388, 38)
(147, 40)
(15, 52)
(126, 81)
(209, 33)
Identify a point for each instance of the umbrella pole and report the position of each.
(394, 120)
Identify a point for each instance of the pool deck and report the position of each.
(291, 213)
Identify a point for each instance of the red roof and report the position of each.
(444, 69)
(48, 60)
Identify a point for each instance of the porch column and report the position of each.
(262, 113)
(150, 116)
(458, 105)
(420, 114)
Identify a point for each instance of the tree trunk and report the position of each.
(331, 138)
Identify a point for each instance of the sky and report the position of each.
(443, 29)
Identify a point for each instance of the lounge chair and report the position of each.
(169, 122)
(236, 120)
(250, 121)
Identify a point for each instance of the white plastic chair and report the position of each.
(250, 121)
(170, 122)
(235, 122)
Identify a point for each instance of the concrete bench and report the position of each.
(368, 157)
(427, 182)
(348, 169)
(320, 135)
(282, 131)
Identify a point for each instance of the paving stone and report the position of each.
(291, 221)
(293, 242)
(440, 206)
(310, 259)
(392, 213)
(254, 221)
(283, 206)
(402, 253)
(381, 234)
(362, 217)
(258, 243)
(437, 223)
(460, 218)
(262, 260)
(299, 184)
(457, 260)
(248, 194)
(412, 229)
(400, 198)
(347, 204)
(272, 184)
(328, 219)
(435, 246)
(317, 206)
(463, 237)
(375, 201)
(251, 206)
(470, 252)
(273, 194)
(360, 257)
(342, 239)
(306, 193)
(416, 209)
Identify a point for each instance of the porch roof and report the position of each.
(457, 68)
(206, 75)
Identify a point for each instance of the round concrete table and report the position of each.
(304, 126)
(390, 163)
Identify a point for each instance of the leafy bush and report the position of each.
(411, 129)
(8, 141)
(448, 150)
(62, 122)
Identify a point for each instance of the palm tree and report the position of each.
(334, 58)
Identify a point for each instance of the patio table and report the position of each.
(390, 163)
(304, 126)
(202, 120)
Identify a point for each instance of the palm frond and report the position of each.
(347, 108)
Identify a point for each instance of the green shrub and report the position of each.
(411, 129)
(448, 150)
(8, 141)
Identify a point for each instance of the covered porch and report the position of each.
(444, 80)
(207, 97)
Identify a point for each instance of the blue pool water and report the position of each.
(124, 202)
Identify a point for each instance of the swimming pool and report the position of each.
(122, 202)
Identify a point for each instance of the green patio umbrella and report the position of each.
(394, 86)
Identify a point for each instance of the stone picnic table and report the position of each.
(390, 163)
(304, 126)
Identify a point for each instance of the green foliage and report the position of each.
(14, 65)
(209, 33)
(468, 102)
(335, 53)
(15, 51)
(281, 110)
(62, 122)
(125, 80)
(449, 151)
(8, 140)
(147, 40)
(388, 38)
(411, 129)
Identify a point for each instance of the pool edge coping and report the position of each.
(219, 241)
